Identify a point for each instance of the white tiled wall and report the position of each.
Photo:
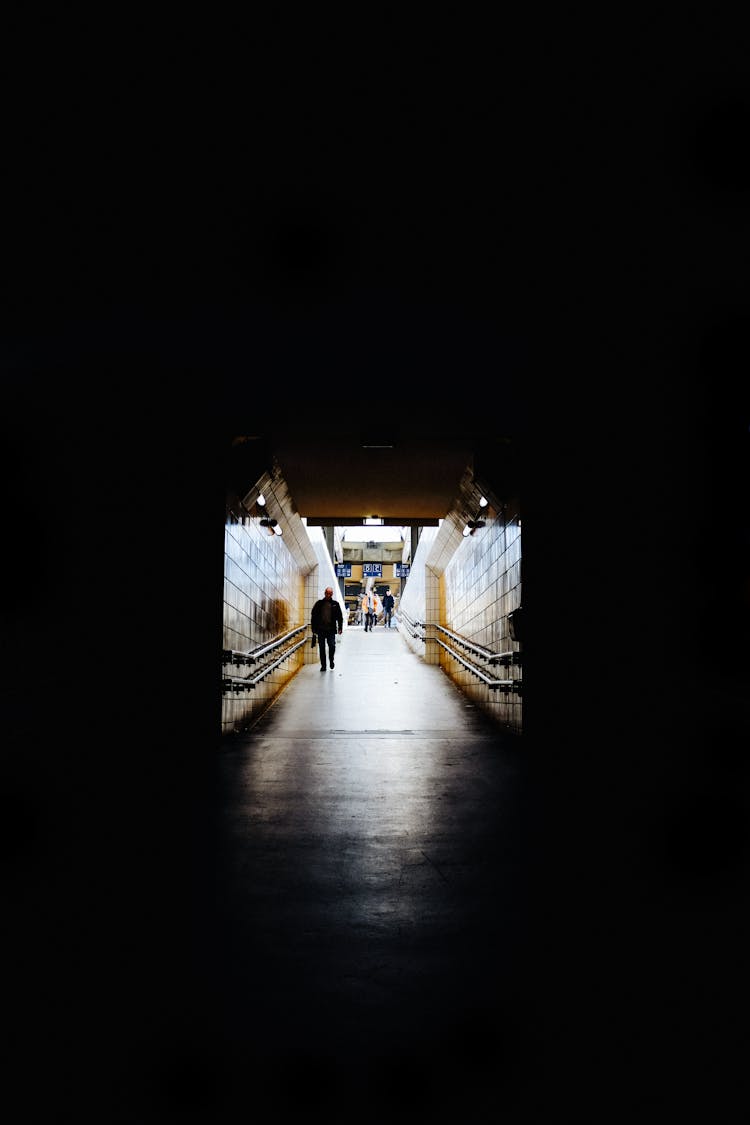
(414, 595)
(473, 595)
(263, 598)
(481, 586)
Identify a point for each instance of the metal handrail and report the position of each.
(482, 651)
(412, 624)
(515, 685)
(253, 655)
(245, 683)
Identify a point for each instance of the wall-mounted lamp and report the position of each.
(270, 525)
(261, 500)
(473, 525)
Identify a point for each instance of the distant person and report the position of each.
(365, 611)
(375, 607)
(388, 603)
(368, 607)
(326, 619)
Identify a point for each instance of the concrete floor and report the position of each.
(374, 907)
(371, 866)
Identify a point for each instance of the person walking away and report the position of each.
(388, 604)
(326, 620)
(365, 607)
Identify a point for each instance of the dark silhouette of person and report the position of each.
(326, 619)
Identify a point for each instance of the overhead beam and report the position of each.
(362, 521)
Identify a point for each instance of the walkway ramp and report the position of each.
(372, 864)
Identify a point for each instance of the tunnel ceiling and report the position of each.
(355, 476)
(383, 469)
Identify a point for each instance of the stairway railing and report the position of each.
(260, 655)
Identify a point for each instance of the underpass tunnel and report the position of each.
(371, 844)
(448, 540)
(239, 888)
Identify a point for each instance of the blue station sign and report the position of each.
(401, 570)
(343, 570)
(372, 570)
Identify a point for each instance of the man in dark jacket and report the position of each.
(388, 604)
(326, 619)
